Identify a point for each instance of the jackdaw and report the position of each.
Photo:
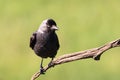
(45, 42)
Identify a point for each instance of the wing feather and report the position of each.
(33, 40)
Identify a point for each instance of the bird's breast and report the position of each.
(46, 45)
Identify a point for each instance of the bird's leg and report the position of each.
(41, 67)
(50, 63)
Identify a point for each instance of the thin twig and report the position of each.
(94, 53)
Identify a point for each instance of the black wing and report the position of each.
(33, 40)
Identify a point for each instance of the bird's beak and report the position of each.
(54, 27)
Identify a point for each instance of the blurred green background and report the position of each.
(83, 24)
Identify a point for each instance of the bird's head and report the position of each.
(48, 25)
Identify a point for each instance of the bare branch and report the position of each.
(94, 53)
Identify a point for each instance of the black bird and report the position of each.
(44, 41)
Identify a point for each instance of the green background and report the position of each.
(83, 24)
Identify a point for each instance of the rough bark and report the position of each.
(94, 53)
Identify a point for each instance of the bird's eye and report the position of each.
(48, 26)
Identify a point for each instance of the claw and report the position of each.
(42, 71)
(51, 64)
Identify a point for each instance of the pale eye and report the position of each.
(48, 26)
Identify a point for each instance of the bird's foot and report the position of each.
(51, 64)
(42, 71)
